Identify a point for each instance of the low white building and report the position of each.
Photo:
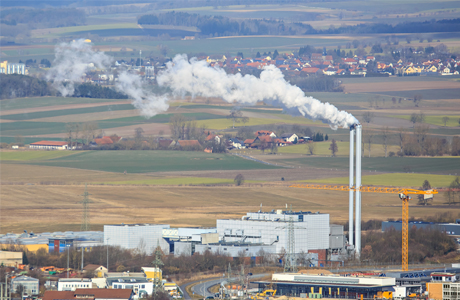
(49, 145)
(30, 284)
(141, 286)
(71, 284)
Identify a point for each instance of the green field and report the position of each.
(453, 120)
(32, 102)
(394, 179)
(64, 112)
(33, 155)
(428, 94)
(25, 128)
(435, 165)
(151, 161)
(322, 148)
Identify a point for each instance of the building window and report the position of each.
(143, 286)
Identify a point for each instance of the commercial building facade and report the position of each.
(144, 237)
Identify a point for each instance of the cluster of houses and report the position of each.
(266, 139)
(321, 63)
(98, 284)
(263, 139)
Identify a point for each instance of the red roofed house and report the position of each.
(211, 137)
(349, 61)
(310, 70)
(248, 142)
(103, 141)
(265, 132)
(90, 294)
(265, 140)
(49, 145)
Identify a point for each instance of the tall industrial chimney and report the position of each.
(351, 183)
(358, 191)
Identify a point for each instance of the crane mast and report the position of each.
(403, 195)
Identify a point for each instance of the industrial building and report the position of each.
(144, 237)
(11, 258)
(328, 286)
(452, 229)
(311, 230)
(53, 241)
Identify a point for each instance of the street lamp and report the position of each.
(108, 255)
(68, 247)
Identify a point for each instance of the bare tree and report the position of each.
(311, 148)
(334, 148)
(368, 137)
(385, 133)
(401, 138)
(445, 119)
(236, 116)
(417, 99)
(89, 131)
(368, 116)
(422, 200)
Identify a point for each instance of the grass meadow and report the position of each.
(394, 179)
(33, 155)
(432, 165)
(152, 161)
(35, 102)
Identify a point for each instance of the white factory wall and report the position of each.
(145, 237)
(235, 250)
(311, 234)
(182, 248)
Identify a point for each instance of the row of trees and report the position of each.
(219, 26)
(15, 86)
(417, 143)
(43, 18)
(425, 245)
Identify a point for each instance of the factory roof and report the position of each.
(329, 284)
(123, 279)
(49, 143)
(134, 225)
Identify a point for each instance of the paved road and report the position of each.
(203, 287)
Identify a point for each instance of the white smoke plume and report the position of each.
(148, 103)
(74, 59)
(197, 78)
(71, 61)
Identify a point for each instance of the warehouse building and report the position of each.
(144, 237)
(328, 286)
(452, 229)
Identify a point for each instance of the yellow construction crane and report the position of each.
(403, 195)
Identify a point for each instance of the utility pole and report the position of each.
(290, 260)
(85, 224)
(108, 255)
(82, 256)
(67, 259)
